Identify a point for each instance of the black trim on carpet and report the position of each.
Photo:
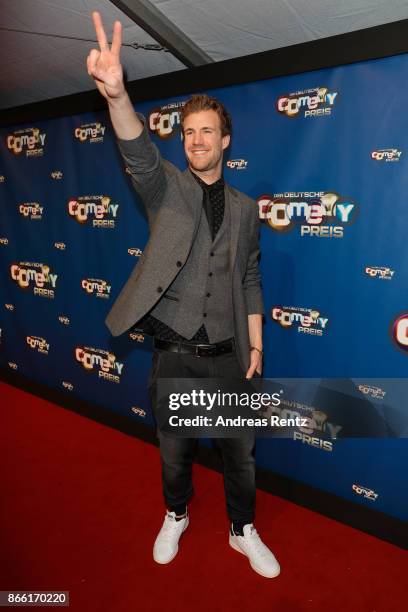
(378, 524)
(367, 44)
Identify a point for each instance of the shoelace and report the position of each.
(170, 528)
(256, 543)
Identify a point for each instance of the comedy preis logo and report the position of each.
(96, 286)
(165, 120)
(136, 336)
(31, 210)
(381, 272)
(365, 492)
(100, 362)
(38, 344)
(373, 392)
(30, 141)
(237, 164)
(99, 208)
(319, 430)
(322, 214)
(306, 320)
(90, 132)
(35, 276)
(386, 155)
(315, 102)
(134, 251)
(399, 331)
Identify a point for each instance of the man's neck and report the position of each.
(209, 177)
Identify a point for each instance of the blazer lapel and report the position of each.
(235, 217)
(193, 195)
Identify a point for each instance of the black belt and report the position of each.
(198, 350)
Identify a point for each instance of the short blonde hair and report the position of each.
(200, 102)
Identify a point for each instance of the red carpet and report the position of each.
(81, 506)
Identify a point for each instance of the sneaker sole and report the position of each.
(254, 567)
(176, 551)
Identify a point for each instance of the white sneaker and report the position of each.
(166, 545)
(262, 560)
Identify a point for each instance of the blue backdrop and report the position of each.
(323, 154)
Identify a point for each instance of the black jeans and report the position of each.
(177, 453)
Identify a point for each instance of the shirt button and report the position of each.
(159, 289)
(179, 264)
(210, 274)
(204, 314)
(208, 294)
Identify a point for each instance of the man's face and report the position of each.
(203, 142)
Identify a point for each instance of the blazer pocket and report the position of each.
(171, 297)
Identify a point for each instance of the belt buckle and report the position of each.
(205, 350)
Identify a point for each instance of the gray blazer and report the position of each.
(173, 202)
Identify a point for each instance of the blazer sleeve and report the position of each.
(146, 166)
(252, 279)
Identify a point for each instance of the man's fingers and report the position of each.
(251, 371)
(100, 32)
(91, 60)
(116, 38)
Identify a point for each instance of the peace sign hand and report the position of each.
(104, 65)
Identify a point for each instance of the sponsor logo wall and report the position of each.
(325, 166)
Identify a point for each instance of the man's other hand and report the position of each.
(255, 363)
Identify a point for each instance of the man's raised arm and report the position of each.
(140, 155)
(105, 68)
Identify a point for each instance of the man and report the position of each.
(196, 289)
